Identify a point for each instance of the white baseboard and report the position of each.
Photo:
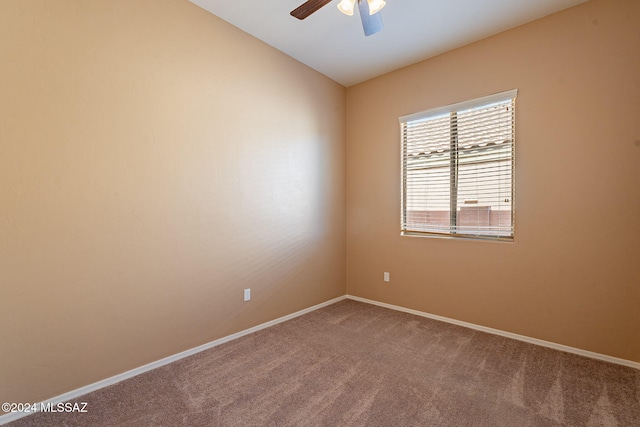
(518, 337)
(74, 394)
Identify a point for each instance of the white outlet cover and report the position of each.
(247, 294)
(386, 276)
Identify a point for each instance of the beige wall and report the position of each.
(154, 162)
(572, 276)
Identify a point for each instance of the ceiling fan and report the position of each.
(371, 19)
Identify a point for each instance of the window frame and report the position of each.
(452, 110)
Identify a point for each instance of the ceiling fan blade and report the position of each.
(371, 24)
(308, 7)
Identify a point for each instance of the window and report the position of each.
(458, 169)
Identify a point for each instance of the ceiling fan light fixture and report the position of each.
(375, 6)
(346, 7)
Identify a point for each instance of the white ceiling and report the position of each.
(334, 44)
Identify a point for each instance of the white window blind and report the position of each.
(458, 169)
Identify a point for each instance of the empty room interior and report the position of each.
(215, 213)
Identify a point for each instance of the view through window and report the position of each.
(458, 169)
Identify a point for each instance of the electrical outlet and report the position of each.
(247, 294)
(386, 276)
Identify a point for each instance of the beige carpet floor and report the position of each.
(354, 364)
